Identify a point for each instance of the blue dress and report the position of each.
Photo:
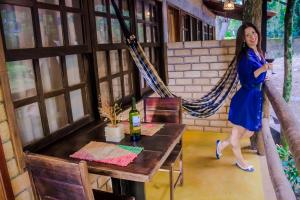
(246, 105)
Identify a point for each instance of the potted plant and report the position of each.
(114, 130)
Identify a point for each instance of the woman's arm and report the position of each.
(262, 69)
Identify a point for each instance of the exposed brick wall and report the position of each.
(194, 68)
(20, 181)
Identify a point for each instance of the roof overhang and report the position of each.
(217, 8)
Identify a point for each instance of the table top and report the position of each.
(156, 150)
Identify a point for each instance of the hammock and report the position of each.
(203, 107)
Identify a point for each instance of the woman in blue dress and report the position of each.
(245, 111)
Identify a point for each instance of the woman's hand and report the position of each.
(267, 66)
(262, 69)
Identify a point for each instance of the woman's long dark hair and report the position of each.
(241, 47)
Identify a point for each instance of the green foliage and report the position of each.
(275, 25)
(289, 167)
(232, 28)
(283, 152)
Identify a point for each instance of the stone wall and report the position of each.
(193, 70)
(20, 180)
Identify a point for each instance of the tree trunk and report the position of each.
(253, 13)
(288, 56)
(288, 50)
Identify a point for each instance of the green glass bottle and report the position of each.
(135, 122)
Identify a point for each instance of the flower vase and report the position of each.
(114, 133)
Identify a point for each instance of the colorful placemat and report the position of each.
(120, 155)
(148, 129)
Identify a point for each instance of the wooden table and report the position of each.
(130, 179)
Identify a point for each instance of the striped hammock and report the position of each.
(203, 107)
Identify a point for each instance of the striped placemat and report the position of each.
(120, 155)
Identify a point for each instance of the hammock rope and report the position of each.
(203, 107)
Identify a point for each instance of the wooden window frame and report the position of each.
(194, 30)
(205, 31)
(88, 52)
(176, 14)
(111, 46)
(200, 29)
(34, 54)
(154, 24)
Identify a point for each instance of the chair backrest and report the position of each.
(58, 179)
(157, 109)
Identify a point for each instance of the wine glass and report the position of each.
(270, 59)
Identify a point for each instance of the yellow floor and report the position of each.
(205, 177)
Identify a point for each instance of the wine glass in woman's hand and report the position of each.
(270, 59)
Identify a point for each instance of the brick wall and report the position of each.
(193, 69)
(20, 181)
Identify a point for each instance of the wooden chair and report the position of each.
(56, 179)
(168, 110)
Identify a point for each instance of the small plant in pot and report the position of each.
(114, 130)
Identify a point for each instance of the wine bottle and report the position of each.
(135, 122)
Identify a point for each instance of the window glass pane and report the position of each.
(100, 5)
(127, 22)
(139, 10)
(147, 52)
(51, 29)
(74, 29)
(153, 57)
(21, 79)
(114, 61)
(148, 33)
(50, 1)
(125, 59)
(29, 123)
(102, 30)
(76, 104)
(17, 26)
(125, 8)
(111, 8)
(142, 82)
(73, 62)
(127, 85)
(116, 31)
(154, 35)
(154, 13)
(117, 88)
(73, 3)
(104, 92)
(147, 12)
(51, 73)
(102, 64)
(141, 32)
(56, 112)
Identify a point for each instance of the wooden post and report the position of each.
(9, 107)
(266, 115)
